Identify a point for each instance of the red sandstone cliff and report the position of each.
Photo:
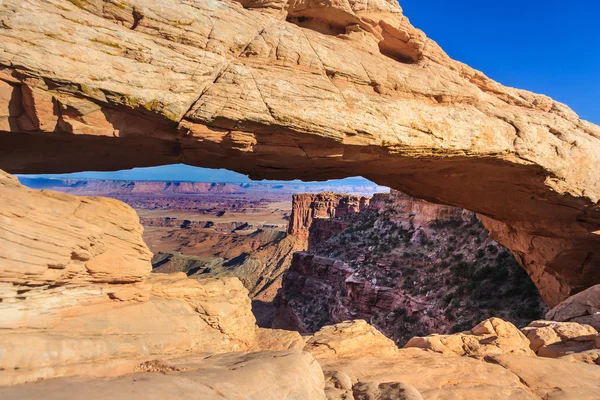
(408, 267)
(307, 207)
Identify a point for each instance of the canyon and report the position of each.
(82, 314)
(289, 89)
(407, 266)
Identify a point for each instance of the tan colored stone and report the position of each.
(553, 379)
(433, 375)
(303, 89)
(278, 339)
(555, 339)
(492, 336)
(77, 297)
(583, 308)
(349, 339)
(52, 245)
(255, 376)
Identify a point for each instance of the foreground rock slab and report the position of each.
(256, 376)
(492, 336)
(556, 339)
(77, 296)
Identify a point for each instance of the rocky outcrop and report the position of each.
(278, 339)
(308, 207)
(583, 308)
(77, 296)
(277, 375)
(416, 212)
(491, 337)
(58, 251)
(500, 366)
(407, 273)
(350, 339)
(557, 339)
(309, 90)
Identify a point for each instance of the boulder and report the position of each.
(492, 336)
(273, 375)
(583, 307)
(556, 339)
(77, 296)
(278, 339)
(349, 339)
(432, 375)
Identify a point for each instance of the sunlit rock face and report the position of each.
(77, 296)
(300, 89)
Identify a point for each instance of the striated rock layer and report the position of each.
(102, 327)
(407, 266)
(300, 89)
(77, 296)
(308, 208)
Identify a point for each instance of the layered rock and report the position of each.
(308, 207)
(583, 308)
(58, 251)
(277, 375)
(300, 89)
(77, 296)
(413, 373)
(407, 266)
(491, 337)
(411, 211)
(556, 339)
(350, 339)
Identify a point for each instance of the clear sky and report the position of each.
(545, 46)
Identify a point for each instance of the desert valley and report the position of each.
(406, 227)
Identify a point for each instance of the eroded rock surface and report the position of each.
(300, 89)
(556, 339)
(350, 339)
(583, 308)
(306, 208)
(256, 376)
(490, 337)
(77, 296)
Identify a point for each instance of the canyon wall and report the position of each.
(308, 207)
(408, 267)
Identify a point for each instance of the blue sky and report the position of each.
(545, 46)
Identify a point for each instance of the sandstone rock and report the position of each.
(77, 297)
(262, 90)
(59, 251)
(433, 375)
(350, 339)
(555, 339)
(255, 376)
(182, 316)
(584, 308)
(553, 379)
(492, 336)
(278, 339)
(588, 357)
(308, 207)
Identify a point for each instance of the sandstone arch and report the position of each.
(300, 89)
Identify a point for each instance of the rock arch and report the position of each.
(300, 89)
